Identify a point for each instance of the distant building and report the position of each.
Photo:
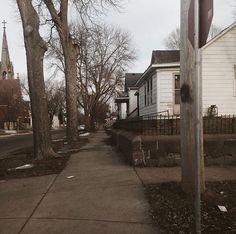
(13, 110)
(127, 100)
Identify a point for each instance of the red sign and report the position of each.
(205, 19)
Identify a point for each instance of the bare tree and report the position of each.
(214, 30)
(35, 50)
(172, 41)
(59, 12)
(55, 92)
(24, 85)
(105, 55)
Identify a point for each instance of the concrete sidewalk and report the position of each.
(104, 196)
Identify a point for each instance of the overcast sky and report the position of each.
(148, 22)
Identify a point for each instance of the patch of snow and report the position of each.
(57, 140)
(222, 208)
(26, 166)
(85, 134)
(23, 167)
(10, 131)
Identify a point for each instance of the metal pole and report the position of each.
(198, 118)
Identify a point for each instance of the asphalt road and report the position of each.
(12, 143)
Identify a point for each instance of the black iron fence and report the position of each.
(170, 125)
(224, 124)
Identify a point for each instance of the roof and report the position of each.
(131, 79)
(122, 100)
(161, 59)
(222, 33)
(6, 65)
(165, 56)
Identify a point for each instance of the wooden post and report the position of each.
(188, 106)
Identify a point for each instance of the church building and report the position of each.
(13, 110)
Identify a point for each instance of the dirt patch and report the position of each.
(48, 166)
(173, 211)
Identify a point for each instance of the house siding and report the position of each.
(132, 100)
(166, 81)
(163, 81)
(152, 108)
(218, 76)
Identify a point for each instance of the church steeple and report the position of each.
(6, 67)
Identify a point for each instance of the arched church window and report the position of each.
(4, 75)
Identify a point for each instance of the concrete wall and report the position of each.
(129, 144)
(165, 150)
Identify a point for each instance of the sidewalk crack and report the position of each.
(39, 202)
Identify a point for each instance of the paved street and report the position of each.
(13, 142)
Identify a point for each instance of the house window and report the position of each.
(150, 90)
(145, 94)
(4, 75)
(177, 89)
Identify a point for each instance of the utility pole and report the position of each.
(199, 167)
(188, 97)
(196, 17)
(191, 119)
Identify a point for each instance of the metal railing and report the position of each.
(224, 124)
(165, 124)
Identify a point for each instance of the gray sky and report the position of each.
(148, 22)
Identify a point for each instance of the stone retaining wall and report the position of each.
(165, 150)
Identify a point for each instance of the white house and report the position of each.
(159, 86)
(218, 60)
(127, 100)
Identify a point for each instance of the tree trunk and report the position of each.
(70, 52)
(70, 55)
(87, 120)
(35, 50)
(92, 120)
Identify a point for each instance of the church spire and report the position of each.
(6, 67)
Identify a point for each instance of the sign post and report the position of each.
(196, 17)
